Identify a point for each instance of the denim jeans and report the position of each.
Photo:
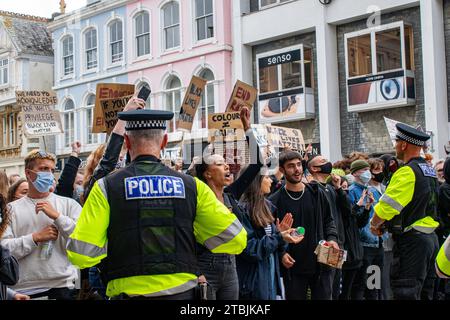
(220, 272)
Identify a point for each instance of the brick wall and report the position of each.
(309, 128)
(366, 131)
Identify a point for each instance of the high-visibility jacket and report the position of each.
(443, 260)
(412, 197)
(214, 226)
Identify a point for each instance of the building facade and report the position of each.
(26, 63)
(336, 70)
(90, 47)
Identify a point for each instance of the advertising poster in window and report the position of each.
(190, 104)
(380, 67)
(39, 115)
(107, 91)
(285, 81)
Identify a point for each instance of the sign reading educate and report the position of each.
(244, 95)
(39, 115)
(110, 109)
(190, 103)
(225, 127)
(107, 91)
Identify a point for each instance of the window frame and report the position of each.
(2, 68)
(135, 35)
(89, 108)
(71, 116)
(206, 94)
(85, 50)
(110, 43)
(163, 28)
(63, 57)
(267, 6)
(172, 91)
(406, 73)
(195, 23)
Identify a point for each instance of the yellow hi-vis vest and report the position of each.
(443, 260)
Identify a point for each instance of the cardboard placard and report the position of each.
(107, 91)
(243, 95)
(39, 115)
(225, 127)
(390, 125)
(110, 109)
(278, 137)
(190, 104)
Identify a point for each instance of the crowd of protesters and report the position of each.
(331, 201)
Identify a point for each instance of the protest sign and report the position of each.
(278, 137)
(243, 95)
(190, 103)
(107, 91)
(390, 125)
(110, 109)
(225, 127)
(39, 116)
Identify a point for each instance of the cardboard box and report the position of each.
(330, 256)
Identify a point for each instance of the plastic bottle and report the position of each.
(299, 231)
(46, 250)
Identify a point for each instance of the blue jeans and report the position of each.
(220, 272)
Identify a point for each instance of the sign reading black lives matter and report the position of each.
(39, 115)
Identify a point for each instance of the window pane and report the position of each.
(199, 8)
(207, 75)
(208, 7)
(119, 30)
(201, 28)
(267, 2)
(210, 96)
(169, 38)
(409, 48)
(359, 56)
(139, 25)
(146, 22)
(167, 15)
(268, 79)
(176, 36)
(89, 125)
(113, 32)
(291, 74)
(308, 68)
(90, 100)
(175, 13)
(174, 83)
(69, 105)
(389, 53)
(210, 26)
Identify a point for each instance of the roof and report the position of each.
(28, 33)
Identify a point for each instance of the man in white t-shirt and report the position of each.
(41, 223)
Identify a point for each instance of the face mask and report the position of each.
(365, 177)
(326, 168)
(44, 181)
(379, 177)
(79, 190)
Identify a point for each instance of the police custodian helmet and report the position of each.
(411, 135)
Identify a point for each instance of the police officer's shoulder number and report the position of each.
(427, 170)
(154, 187)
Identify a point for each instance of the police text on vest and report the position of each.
(154, 187)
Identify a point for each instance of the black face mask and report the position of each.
(326, 168)
(379, 177)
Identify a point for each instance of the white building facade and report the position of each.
(336, 70)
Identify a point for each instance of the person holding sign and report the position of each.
(143, 221)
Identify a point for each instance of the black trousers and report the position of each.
(321, 283)
(57, 294)
(372, 257)
(348, 277)
(413, 270)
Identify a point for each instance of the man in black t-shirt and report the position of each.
(310, 209)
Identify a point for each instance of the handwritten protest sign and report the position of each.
(243, 95)
(39, 116)
(225, 127)
(107, 91)
(190, 103)
(110, 109)
(278, 137)
(390, 125)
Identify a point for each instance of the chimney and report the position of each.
(62, 6)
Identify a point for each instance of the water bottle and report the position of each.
(46, 250)
(299, 231)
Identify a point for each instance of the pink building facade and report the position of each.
(170, 41)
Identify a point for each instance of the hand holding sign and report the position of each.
(134, 104)
(245, 118)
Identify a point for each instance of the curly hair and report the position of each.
(92, 162)
(4, 214)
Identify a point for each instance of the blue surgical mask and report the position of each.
(365, 177)
(79, 190)
(44, 181)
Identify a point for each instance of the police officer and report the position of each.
(443, 260)
(143, 221)
(410, 202)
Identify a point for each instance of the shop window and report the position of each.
(285, 84)
(380, 67)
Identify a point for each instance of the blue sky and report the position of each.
(41, 8)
